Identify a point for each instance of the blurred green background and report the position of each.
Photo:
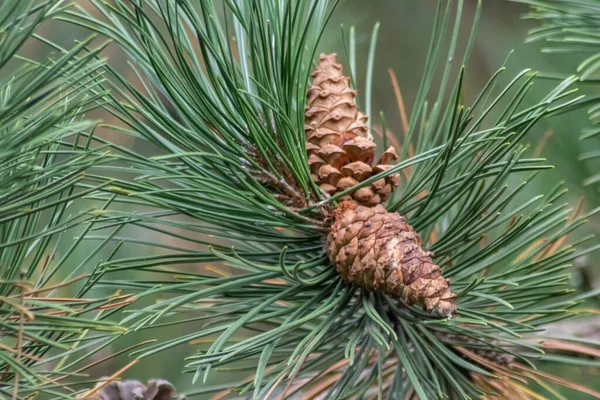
(403, 39)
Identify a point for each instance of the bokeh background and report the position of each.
(404, 35)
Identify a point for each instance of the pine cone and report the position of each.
(381, 252)
(158, 389)
(340, 149)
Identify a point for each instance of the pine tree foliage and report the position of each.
(571, 28)
(44, 151)
(233, 251)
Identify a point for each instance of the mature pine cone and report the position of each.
(157, 389)
(380, 251)
(340, 149)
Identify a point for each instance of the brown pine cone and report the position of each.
(381, 252)
(340, 149)
(157, 389)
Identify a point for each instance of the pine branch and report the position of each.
(219, 108)
(570, 28)
(44, 154)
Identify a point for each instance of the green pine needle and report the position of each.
(210, 219)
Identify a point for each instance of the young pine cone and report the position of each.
(340, 149)
(381, 252)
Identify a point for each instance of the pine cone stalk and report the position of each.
(369, 246)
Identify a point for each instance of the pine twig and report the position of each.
(19, 346)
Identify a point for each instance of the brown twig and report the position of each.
(15, 394)
(291, 380)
